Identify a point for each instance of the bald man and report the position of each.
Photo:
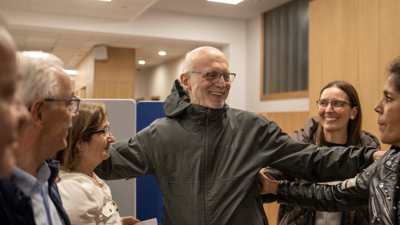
(206, 155)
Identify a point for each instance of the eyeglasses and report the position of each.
(334, 104)
(214, 76)
(73, 102)
(106, 131)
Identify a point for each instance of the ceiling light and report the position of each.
(36, 54)
(105, 0)
(162, 53)
(70, 72)
(142, 62)
(232, 2)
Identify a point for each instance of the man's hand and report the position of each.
(267, 186)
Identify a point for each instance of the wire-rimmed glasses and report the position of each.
(214, 76)
(106, 131)
(337, 104)
(73, 102)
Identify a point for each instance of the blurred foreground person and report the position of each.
(12, 112)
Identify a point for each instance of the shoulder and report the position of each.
(75, 183)
(368, 139)
(306, 134)
(9, 191)
(243, 114)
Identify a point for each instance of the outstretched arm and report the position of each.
(348, 195)
(323, 197)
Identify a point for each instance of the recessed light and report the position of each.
(70, 72)
(36, 54)
(162, 53)
(105, 0)
(232, 2)
(142, 62)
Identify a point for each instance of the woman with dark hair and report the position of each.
(377, 186)
(338, 124)
(86, 198)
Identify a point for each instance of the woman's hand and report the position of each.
(378, 154)
(129, 220)
(267, 186)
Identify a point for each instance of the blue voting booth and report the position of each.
(149, 201)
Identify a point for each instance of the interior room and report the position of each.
(103, 41)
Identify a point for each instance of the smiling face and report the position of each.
(335, 120)
(96, 150)
(202, 91)
(388, 109)
(58, 115)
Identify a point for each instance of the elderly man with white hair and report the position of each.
(30, 195)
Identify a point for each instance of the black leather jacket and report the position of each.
(377, 186)
(289, 214)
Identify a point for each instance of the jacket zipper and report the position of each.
(206, 172)
(375, 215)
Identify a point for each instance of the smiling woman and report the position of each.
(86, 198)
(377, 186)
(338, 124)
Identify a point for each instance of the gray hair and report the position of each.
(38, 78)
(188, 62)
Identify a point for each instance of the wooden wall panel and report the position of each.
(359, 39)
(85, 75)
(289, 122)
(120, 65)
(338, 32)
(111, 78)
(315, 45)
(367, 79)
(110, 89)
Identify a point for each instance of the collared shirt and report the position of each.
(44, 210)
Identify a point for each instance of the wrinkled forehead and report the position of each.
(210, 60)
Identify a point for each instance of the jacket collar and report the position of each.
(178, 103)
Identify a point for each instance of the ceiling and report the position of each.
(71, 46)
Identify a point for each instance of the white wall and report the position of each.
(159, 79)
(241, 38)
(141, 85)
(246, 85)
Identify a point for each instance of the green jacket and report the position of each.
(206, 161)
